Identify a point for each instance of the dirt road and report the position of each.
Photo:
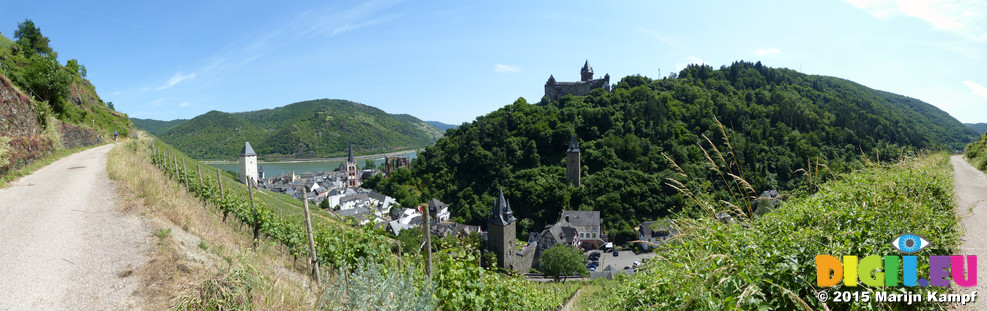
(970, 186)
(64, 245)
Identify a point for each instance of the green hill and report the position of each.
(780, 124)
(156, 127)
(317, 128)
(977, 127)
(48, 106)
(442, 126)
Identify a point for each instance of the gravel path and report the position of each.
(64, 245)
(970, 186)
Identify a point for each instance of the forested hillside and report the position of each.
(156, 127)
(780, 130)
(316, 128)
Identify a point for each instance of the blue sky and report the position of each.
(451, 61)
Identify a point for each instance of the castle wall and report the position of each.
(559, 89)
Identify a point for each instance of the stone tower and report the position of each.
(501, 232)
(248, 164)
(572, 164)
(587, 72)
(351, 181)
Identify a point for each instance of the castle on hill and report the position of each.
(554, 90)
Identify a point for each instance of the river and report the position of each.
(279, 168)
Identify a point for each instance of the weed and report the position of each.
(203, 245)
(162, 234)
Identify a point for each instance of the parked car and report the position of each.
(594, 256)
(615, 253)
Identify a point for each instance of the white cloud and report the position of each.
(767, 52)
(963, 17)
(185, 104)
(978, 89)
(178, 77)
(506, 68)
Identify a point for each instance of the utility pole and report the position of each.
(427, 231)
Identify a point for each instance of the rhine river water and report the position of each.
(272, 169)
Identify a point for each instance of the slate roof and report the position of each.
(436, 205)
(586, 67)
(501, 213)
(351, 158)
(573, 144)
(581, 218)
(649, 229)
(247, 150)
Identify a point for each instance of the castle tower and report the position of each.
(351, 181)
(501, 231)
(586, 72)
(572, 164)
(248, 164)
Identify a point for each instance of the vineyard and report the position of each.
(354, 257)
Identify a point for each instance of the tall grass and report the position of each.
(769, 262)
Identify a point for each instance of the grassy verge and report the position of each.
(45, 161)
(200, 262)
(769, 263)
(976, 153)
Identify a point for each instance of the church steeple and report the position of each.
(501, 213)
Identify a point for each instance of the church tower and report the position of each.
(351, 170)
(587, 72)
(572, 164)
(501, 232)
(248, 164)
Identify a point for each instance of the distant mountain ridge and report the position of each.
(156, 127)
(442, 126)
(980, 128)
(309, 129)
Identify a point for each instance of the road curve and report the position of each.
(970, 187)
(64, 245)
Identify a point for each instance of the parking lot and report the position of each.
(624, 258)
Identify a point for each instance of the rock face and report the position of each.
(23, 139)
(17, 114)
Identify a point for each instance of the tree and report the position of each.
(74, 66)
(324, 204)
(563, 260)
(110, 105)
(29, 37)
(370, 164)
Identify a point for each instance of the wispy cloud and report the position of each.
(963, 17)
(185, 104)
(332, 21)
(506, 68)
(763, 52)
(177, 78)
(978, 89)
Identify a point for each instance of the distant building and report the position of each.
(652, 233)
(438, 210)
(351, 178)
(554, 90)
(391, 164)
(248, 164)
(572, 170)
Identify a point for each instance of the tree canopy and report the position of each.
(563, 260)
(766, 126)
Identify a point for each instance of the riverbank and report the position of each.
(313, 160)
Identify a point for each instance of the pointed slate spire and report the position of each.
(351, 158)
(573, 144)
(586, 67)
(247, 150)
(551, 79)
(501, 213)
